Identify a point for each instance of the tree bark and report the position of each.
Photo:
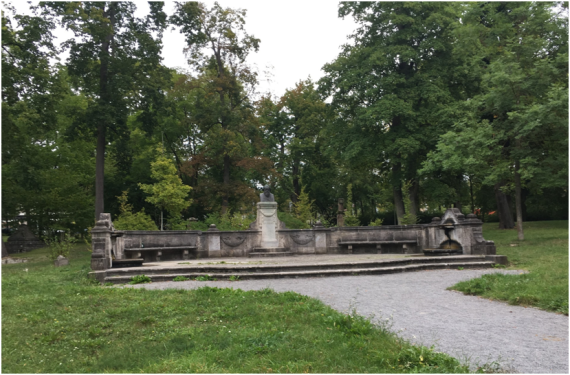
(414, 198)
(397, 192)
(503, 210)
(457, 204)
(225, 196)
(518, 201)
(471, 194)
(296, 185)
(102, 126)
(399, 203)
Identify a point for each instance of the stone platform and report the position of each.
(291, 267)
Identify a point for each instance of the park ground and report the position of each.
(58, 320)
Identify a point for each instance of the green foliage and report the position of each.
(228, 221)
(544, 253)
(409, 217)
(140, 279)
(202, 330)
(128, 220)
(168, 193)
(205, 278)
(350, 219)
(234, 278)
(304, 208)
(224, 128)
(291, 221)
(61, 246)
(180, 278)
(376, 223)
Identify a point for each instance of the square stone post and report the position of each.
(320, 238)
(101, 243)
(213, 242)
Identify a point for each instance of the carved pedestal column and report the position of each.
(101, 243)
(268, 223)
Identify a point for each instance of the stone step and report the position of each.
(312, 273)
(271, 254)
(238, 269)
(269, 250)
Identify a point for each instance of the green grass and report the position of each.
(57, 320)
(543, 253)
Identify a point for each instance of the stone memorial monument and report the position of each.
(23, 240)
(267, 220)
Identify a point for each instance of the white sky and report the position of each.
(297, 38)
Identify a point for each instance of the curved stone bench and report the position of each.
(137, 251)
(378, 244)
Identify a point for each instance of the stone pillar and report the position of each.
(268, 223)
(213, 242)
(101, 243)
(320, 238)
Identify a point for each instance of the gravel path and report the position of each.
(418, 307)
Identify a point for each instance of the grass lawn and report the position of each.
(57, 320)
(544, 253)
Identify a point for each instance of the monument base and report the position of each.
(268, 223)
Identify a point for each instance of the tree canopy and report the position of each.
(428, 105)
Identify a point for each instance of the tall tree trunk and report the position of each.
(471, 195)
(100, 171)
(518, 201)
(397, 192)
(296, 184)
(414, 198)
(503, 210)
(399, 204)
(102, 126)
(457, 204)
(225, 197)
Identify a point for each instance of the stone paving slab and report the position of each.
(418, 307)
(285, 261)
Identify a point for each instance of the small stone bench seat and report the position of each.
(138, 250)
(378, 244)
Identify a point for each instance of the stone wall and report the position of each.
(181, 245)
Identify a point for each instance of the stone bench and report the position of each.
(137, 251)
(378, 244)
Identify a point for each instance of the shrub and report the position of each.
(205, 278)
(140, 279)
(376, 223)
(128, 220)
(57, 248)
(291, 221)
(180, 278)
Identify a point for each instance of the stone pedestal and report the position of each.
(268, 223)
(101, 244)
(213, 241)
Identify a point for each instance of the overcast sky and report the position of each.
(297, 38)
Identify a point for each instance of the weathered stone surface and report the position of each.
(4, 250)
(23, 240)
(302, 238)
(268, 232)
(267, 217)
(266, 196)
(61, 261)
(233, 239)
